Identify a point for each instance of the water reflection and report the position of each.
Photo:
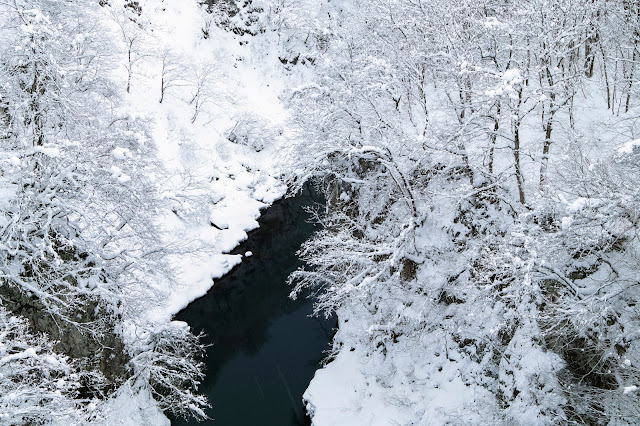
(265, 349)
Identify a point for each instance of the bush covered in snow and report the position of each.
(481, 237)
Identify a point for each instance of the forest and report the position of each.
(481, 165)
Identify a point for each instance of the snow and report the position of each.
(214, 189)
(232, 211)
(215, 183)
(123, 178)
(493, 23)
(28, 353)
(121, 153)
(199, 275)
(512, 76)
(581, 203)
(628, 147)
(116, 171)
(431, 397)
(337, 408)
(49, 151)
(133, 407)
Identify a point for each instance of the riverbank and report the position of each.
(263, 346)
(218, 136)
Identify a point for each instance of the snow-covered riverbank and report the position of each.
(217, 171)
(217, 134)
(141, 143)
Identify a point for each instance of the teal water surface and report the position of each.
(264, 346)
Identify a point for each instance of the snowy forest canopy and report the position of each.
(480, 160)
(481, 241)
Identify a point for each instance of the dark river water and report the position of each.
(264, 346)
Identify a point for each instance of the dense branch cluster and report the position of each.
(482, 209)
(79, 247)
(480, 165)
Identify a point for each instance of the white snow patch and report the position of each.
(200, 276)
(512, 76)
(628, 147)
(133, 407)
(49, 151)
(28, 353)
(121, 153)
(493, 23)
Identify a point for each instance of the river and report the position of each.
(264, 346)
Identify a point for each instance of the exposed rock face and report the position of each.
(103, 351)
(228, 6)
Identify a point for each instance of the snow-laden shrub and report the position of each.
(168, 364)
(79, 249)
(38, 385)
(252, 131)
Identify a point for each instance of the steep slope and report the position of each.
(481, 234)
(141, 145)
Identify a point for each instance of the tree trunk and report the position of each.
(606, 76)
(516, 150)
(516, 158)
(544, 162)
(589, 54)
(494, 137)
(631, 76)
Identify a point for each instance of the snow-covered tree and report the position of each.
(79, 248)
(38, 385)
(433, 128)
